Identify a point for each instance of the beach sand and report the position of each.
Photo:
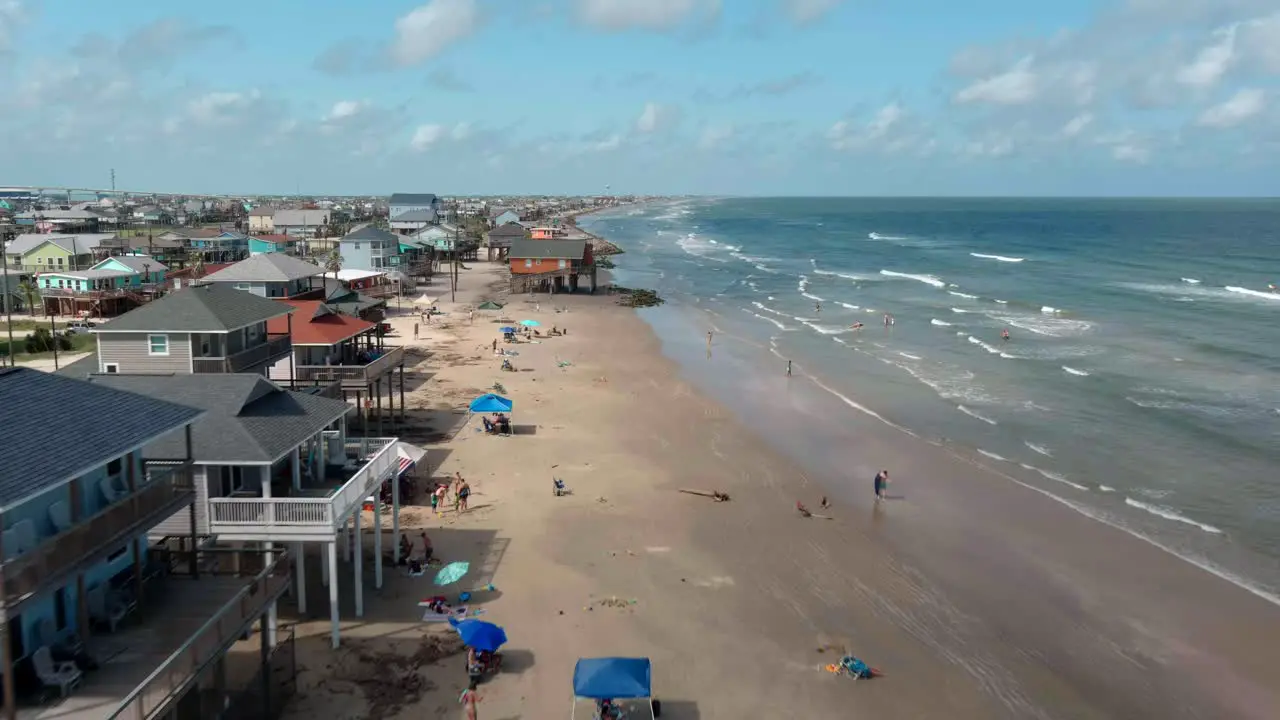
(976, 597)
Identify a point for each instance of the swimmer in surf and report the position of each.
(1004, 335)
(856, 326)
(817, 307)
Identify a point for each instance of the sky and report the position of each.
(713, 97)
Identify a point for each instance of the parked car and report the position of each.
(80, 326)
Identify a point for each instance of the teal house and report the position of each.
(264, 244)
(123, 272)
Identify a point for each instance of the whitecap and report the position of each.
(985, 346)
(926, 279)
(963, 295)
(1039, 449)
(1049, 310)
(909, 356)
(976, 416)
(766, 318)
(848, 306)
(1106, 488)
(878, 236)
(1000, 258)
(1191, 281)
(1002, 302)
(992, 455)
(828, 329)
(768, 309)
(960, 310)
(1073, 371)
(1170, 514)
(1253, 293)
(1053, 476)
(939, 323)
(813, 297)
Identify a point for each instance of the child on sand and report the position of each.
(468, 700)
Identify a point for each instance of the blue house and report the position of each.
(506, 216)
(265, 244)
(410, 212)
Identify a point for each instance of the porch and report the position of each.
(184, 626)
(350, 365)
(203, 359)
(314, 505)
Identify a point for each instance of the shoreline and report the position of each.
(747, 586)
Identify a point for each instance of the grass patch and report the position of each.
(80, 343)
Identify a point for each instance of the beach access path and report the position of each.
(741, 603)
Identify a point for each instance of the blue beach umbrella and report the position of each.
(452, 573)
(490, 403)
(481, 635)
(530, 323)
(505, 330)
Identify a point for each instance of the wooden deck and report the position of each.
(180, 608)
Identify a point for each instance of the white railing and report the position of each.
(274, 518)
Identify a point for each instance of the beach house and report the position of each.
(272, 275)
(108, 288)
(300, 223)
(93, 613)
(263, 244)
(410, 212)
(205, 329)
(502, 216)
(330, 346)
(370, 248)
(262, 220)
(498, 240)
(274, 467)
(556, 265)
(40, 252)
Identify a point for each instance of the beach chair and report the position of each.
(103, 608)
(62, 675)
(24, 534)
(60, 516)
(112, 492)
(558, 487)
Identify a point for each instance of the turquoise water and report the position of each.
(1141, 378)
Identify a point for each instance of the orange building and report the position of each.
(554, 265)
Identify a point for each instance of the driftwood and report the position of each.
(714, 495)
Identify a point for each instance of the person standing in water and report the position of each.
(1004, 334)
(881, 484)
(817, 307)
(709, 334)
(788, 368)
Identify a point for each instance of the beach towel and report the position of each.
(457, 613)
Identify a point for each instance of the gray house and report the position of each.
(370, 248)
(413, 221)
(499, 239)
(273, 275)
(300, 223)
(206, 329)
(252, 433)
(423, 205)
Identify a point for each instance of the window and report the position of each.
(59, 262)
(356, 245)
(157, 344)
(562, 263)
(528, 262)
(111, 368)
(115, 466)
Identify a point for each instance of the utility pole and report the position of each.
(113, 182)
(453, 292)
(8, 302)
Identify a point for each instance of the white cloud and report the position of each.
(430, 29)
(1127, 146)
(11, 14)
(1212, 62)
(655, 117)
(344, 109)
(714, 137)
(807, 11)
(1244, 105)
(221, 107)
(888, 131)
(461, 131)
(1077, 125)
(426, 136)
(613, 142)
(1016, 86)
(653, 15)
(991, 147)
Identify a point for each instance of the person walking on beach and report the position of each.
(438, 498)
(881, 484)
(788, 368)
(709, 334)
(460, 499)
(415, 331)
(471, 317)
(468, 700)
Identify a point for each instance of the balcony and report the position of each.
(185, 624)
(165, 489)
(276, 347)
(360, 375)
(314, 513)
(100, 294)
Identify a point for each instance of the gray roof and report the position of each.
(90, 274)
(262, 212)
(511, 229)
(206, 308)
(546, 250)
(415, 216)
(248, 418)
(369, 233)
(300, 218)
(139, 263)
(34, 408)
(412, 199)
(80, 244)
(268, 267)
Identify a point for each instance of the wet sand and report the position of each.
(977, 597)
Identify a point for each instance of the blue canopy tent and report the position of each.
(614, 678)
(480, 635)
(490, 403)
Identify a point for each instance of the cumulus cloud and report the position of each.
(889, 130)
(345, 109)
(1077, 125)
(1246, 104)
(807, 11)
(655, 118)
(651, 15)
(428, 30)
(12, 13)
(426, 137)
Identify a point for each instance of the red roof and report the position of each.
(317, 324)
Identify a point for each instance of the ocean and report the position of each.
(1139, 385)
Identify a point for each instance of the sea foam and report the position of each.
(926, 279)
(1000, 258)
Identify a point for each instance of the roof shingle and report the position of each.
(41, 450)
(318, 324)
(267, 267)
(548, 249)
(207, 308)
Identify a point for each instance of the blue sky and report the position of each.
(761, 97)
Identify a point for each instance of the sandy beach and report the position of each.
(977, 598)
